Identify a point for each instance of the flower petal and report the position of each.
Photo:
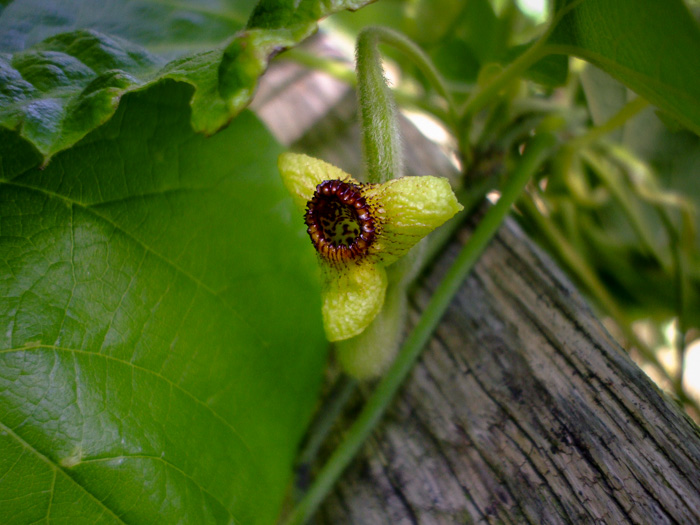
(301, 174)
(352, 295)
(411, 208)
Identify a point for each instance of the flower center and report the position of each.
(339, 221)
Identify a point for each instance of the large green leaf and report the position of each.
(652, 46)
(64, 86)
(160, 337)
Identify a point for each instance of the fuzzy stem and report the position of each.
(378, 114)
(385, 391)
(380, 129)
(340, 70)
(421, 60)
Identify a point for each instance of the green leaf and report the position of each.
(161, 346)
(58, 91)
(550, 71)
(167, 29)
(605, 96)
(64, 86)
(297, 16)
(652, 46)
(472, 36)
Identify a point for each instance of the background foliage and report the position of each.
(617, 203)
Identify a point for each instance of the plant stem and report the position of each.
(385, 391)
(380, 131)
(340, 70)
(481, 97)
(611, 178)
(327, 415)
(680, 283)
(378, 114)
(619, 119)
(421, 60)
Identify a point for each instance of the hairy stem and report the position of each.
(378, 114)
(380, 130)
(421, 60)
(341, 70)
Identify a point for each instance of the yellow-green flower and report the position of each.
(358, 230)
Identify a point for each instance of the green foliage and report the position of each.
(61, 88)
(621, 212)
(160, 358)
(628, 204)
(652, 46)
(618, 201)
(66, 86)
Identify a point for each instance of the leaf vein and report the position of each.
(56, 468)
(51, 492)
(179, 269)
(167, 464)
(168, 381)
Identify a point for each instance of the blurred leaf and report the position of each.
(674, 156)
(474, 36)
(460, 37)
(482, 30)
(456, 61)
(672, 153)
(429, 22)
(297, 16)
(652, 46)
(550, 71)
(63, 87)
(605, 96)
(388, 13)
(161, 345)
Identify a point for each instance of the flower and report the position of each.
(358, 230)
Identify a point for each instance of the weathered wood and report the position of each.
(523, 409)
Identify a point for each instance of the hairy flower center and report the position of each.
(339, 221)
